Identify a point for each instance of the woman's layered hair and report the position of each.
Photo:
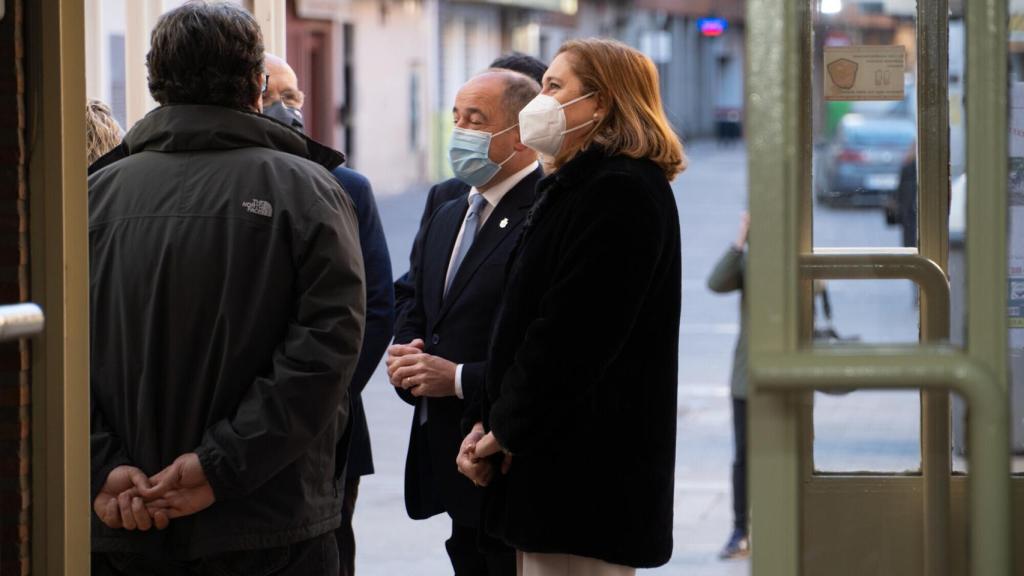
(102, 132)
(626, 81)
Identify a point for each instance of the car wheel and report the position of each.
(824, 198)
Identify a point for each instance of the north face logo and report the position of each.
(259, 207)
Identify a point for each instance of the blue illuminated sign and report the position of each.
(712, 27)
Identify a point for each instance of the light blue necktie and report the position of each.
(476, 203)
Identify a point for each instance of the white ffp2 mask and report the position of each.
(542, 123)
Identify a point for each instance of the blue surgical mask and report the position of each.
(469, 153)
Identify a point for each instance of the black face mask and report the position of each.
(291, 117)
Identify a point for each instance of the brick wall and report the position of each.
(15, 450)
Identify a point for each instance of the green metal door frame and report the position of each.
(782, 372)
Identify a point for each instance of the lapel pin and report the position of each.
(503, 223)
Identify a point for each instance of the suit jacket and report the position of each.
(456, 327)
(380, 317)
(405, 286)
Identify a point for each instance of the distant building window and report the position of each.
(117, 79)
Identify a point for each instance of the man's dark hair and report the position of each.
(522, 63)
(206, 53)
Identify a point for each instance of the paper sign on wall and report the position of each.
(864, 72)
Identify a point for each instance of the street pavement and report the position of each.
(860, 431)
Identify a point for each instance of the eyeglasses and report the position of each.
(266, 82)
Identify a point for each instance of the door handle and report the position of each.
(20, 321)
(887, 264)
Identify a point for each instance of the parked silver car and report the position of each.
(861, 166)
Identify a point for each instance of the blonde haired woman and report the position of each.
(102, 132)
(579, 412)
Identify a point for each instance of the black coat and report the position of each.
(227, 303)
(456, 327)
(581, 385)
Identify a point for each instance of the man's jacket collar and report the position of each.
(195, 127)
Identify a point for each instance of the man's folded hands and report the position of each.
(130, 500)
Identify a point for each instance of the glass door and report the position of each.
(852, 117)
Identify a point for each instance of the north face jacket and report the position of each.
(227, 304)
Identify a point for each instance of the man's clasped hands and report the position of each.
(134, 501)
(422, 374)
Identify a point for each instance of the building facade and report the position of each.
(380, 76)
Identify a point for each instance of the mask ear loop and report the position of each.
(595, 121)
(575, 100)
(514, 151)
(506, 160)
(500, 132)
(575, 128)
(588, 122)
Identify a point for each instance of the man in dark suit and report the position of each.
(440, 356)
(438, 195)
(283, 101)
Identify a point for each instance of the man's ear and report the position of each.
(260, 94)
(517, 144)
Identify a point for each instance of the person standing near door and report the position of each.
(580, 405)
(283, 101)
(440, 356)
(905, 199)
(226, 305)
(727, 276)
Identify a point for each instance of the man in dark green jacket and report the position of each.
(227, 309)
(727, 276)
